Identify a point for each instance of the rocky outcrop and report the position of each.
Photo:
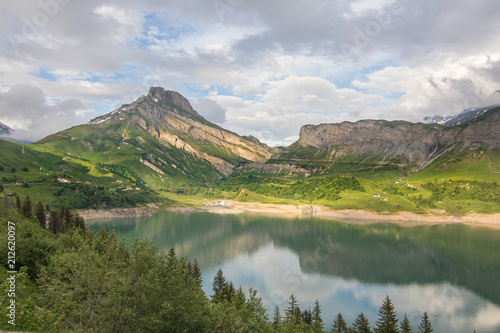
(167, 116)
(397, 141)
(160, 94)
(5, 130)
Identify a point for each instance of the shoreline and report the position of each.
(351, 216)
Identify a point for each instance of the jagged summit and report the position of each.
(160, 94)
(162, 132)
(5, 130)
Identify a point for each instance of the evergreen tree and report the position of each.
(54, 222)
(405, 325)
(238, 299)
(387, 322)
(47, 208)
(196, 273)
(425, 324)
(27, 208)
(230, 291)
(292, 313)
(339, 325)
(40, 214)
(307, 317)
(219, 286)
(276, 318)
(80, 222)
(18, 203)
(316, 317)
(361, 324)
(1, 187)
(66, 219)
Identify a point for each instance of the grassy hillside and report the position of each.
(57, 179)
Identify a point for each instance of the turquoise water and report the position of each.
(450, 271)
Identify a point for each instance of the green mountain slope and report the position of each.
(160, 144)
(158, 141)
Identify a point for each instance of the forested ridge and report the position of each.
(71, 279)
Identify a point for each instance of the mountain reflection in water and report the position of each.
(450, 271)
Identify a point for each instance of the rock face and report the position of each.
(398, 142)
(160, 94)
(5, 130)
(375, 137)
(169, 118)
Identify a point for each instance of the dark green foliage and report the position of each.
(425, 325)
(361, 324)
(27, 208)
(317, 321)
(80, 196)
(307, 317)
(464, 190)
(307, 189)
(196, 273)
(25, 169)
(220, 288)
(124, 172)
(63, 220)
(387, 321)
(40, 214)
(1, 188)
(405, 326)
(276, 318)
(339, 324)
(18, 203)
(293, 315)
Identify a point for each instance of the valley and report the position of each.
(159, 150)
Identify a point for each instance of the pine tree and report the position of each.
(40, 214)
(18, 203)
(292, 310)
(405, 325)
(238, 299)
(196, 272)
(316, 317)
(229, 292)
(387, 322)
(276, 318)
(339, 324)
(425, 324)
(27, 208)
(80, 222)
(361, 324)
(219, 286)
(307, 317)
(54, 222)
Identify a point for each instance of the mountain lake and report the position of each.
(450, 271)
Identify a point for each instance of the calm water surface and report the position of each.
(452, 271)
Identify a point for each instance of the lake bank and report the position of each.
(300, 210)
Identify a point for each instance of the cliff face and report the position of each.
(183, 128)
(162, 140)
(383, 141)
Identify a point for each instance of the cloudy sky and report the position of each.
(261, 68)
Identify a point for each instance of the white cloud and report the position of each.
(283, 62)
(210, 110)
(26, 110)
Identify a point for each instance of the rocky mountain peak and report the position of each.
(160, 94)
(4, 129)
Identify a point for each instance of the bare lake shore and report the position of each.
(348, 215)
